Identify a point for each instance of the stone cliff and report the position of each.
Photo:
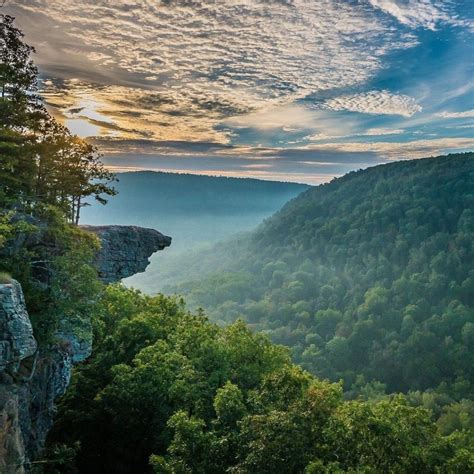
(17, 348)
(18, 342)
(125, 250)
(32, 378)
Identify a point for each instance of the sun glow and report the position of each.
(84, 119)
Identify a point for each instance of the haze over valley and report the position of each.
(196, 211)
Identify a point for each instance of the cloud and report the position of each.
(375, 102)
(401, 150)
(428, 14)
(374, 132)
(287, 116)
(205, 61)
(272, 164)
(321, 153)
(464, 114)
(314, 164)
(189, 79)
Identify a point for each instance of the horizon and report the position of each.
(274, 91)
(205, 174)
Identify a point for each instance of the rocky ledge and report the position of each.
(125, 250)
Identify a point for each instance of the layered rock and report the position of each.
(12, 449)
(125, 250)
(17, 362)
(16, 333)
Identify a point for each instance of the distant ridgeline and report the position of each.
(370, 274)
(196, 210)
(147, 197)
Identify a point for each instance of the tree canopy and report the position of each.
(370, 274)
(169, 392)
(41, 162)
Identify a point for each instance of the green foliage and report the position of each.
(55, 460)
(371, 274)
(57, 275)
(18, 74)
(5, 278)
(6, 228)
(41, 163)
(229, 404)
(11, 226)
(45, 173)
(167, 391)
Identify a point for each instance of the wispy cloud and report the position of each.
(401, 150)
(463, 114)
(427, 14)
(375, 102)
(375, 132)
(313, 164)
(287, 116)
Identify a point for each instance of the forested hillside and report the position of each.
(370, 275)
(169, 392)
(196, 210)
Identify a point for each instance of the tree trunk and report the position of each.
(78, 210)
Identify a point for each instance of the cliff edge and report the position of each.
(125, 250)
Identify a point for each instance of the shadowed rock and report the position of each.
(16, 333)
(17, 350)
(125, 250)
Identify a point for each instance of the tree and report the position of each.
(18, 75)
(41, 162)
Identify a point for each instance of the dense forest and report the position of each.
(368, 276)
(198, 211)
(168, 391)
(168, 387)
(365, 280)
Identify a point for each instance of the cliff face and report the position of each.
(32, 378)
(17, 341)
(17, 361)
(125, 250)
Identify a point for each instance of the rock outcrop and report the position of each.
(125, 250)
(16, 333)
(32, 378)
(17, 363)
(12, 449)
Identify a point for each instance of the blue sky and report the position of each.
(293, 90)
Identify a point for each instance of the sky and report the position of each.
(290, 90)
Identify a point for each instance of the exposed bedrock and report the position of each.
(125, 250)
